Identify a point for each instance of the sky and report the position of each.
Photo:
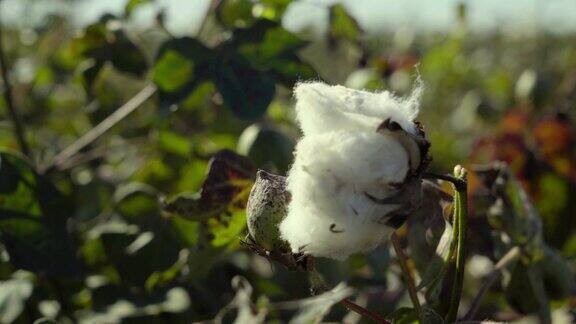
(183, 16)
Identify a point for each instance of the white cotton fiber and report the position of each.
(339, 160)
(323, 108)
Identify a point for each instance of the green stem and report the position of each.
(460, 225)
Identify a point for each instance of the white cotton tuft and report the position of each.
(323, 108)
(340, 160)
(329, 214)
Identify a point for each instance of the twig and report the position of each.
(460, 222)
(82, 158)
(459, 184)
(512, 255)
(363, 311)
(306, 263)
(93, 154)
(105, 125)
(18, 126)
(412, 291)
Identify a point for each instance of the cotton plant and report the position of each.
(356, 174)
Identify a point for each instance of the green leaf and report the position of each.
(219, 206)
(557, 274)
(235, 13)
(33, 220)
(226, 231)
(273, 9)
(126, 56)
(245, 90)
(138, 256)
(179, 66)
(227, 184)
(267, 46)
(553, 198)
(138, 204)
(526, 291)
(186, 231)
(147, 257)
(133, 4)
(289, 69)
(105, 41)
(175, 143)
(13, 296)
(266, 39)
(172, 71)
(403, 315)
(342, 25)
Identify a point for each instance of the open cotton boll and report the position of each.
(329, 214)
(352, 157)
(356, 172)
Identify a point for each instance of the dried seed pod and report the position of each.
(266, 208)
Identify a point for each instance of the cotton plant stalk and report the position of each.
(356, 175)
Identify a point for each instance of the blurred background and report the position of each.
(140, 218)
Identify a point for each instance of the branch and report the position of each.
(93, 154)
(512, 255)
(306, 263)
(105, 125)
(363, 311)
(18, 126)
(460, 224)
(412, 292)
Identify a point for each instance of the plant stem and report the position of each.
(512, 255)
(412, 292)
(460, 224)
(363, 311)
(320, 284)
(459, 184)
(18, 126)
(105, 125)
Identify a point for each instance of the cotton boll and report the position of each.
(330, 214)
(353, 157)
(266, 207)
(356, 175)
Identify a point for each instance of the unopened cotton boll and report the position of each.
(266, 208)
(355, 169)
